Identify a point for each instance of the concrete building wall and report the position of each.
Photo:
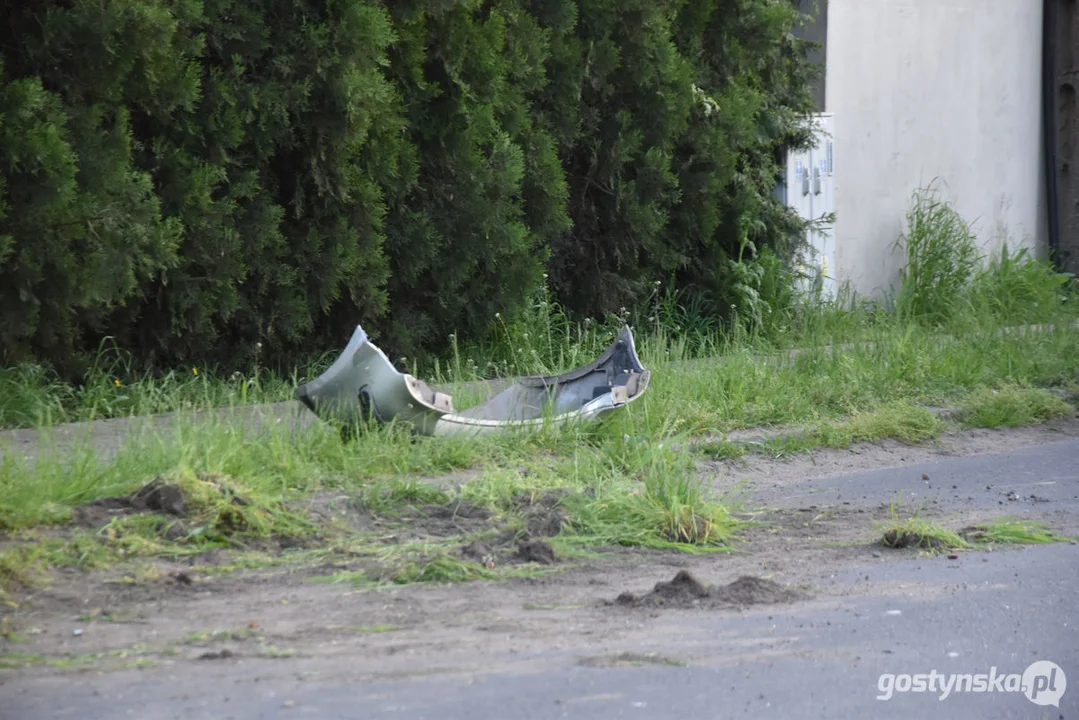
(933, 89)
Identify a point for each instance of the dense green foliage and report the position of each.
(211, 179)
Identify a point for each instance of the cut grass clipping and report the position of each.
(196, 511)
(1010, 530)
(179, 514)
(921, 534)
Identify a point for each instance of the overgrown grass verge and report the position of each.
(866, 373)
(630, 481)
(948, 292)
(901, 420)
(542, 500)
(33, 396)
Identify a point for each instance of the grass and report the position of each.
(863, 374)
(917, 532)
(921, 534)
(32, 395)
(633, 482)
(1013, 531)
(630, 659)
(901, 420)
(118, 659)
(1012, 405)
(942, 258)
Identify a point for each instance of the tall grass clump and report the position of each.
(31, 395)
(1012, 405)
(947, 283)
(114, 385)
(642, 496)
(941, 260)
(1015, 287)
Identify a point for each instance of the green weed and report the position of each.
(204, 637)
(1012, 531)
(659, 504)
(27, 558)
(387, 495)
(20, 660)
(942, 258)
(1018, 288)
(918, 533)
(721, 450)
(1011, 405)
(901, 420)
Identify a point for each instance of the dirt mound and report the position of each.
(686, 591)
(897, 539)
(544, 515)
(157, 496)
(506, 549)
(478, 551)
(749, 590)
(193, 508)
(536, 551)
(462, 510)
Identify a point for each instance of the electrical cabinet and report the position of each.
(810, 191)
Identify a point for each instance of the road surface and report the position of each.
(879, 624)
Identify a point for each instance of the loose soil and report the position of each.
(897, 538)
(156, 496)
(177, 613)
(686, 591)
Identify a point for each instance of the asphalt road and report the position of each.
(991, 614)
(1031, 481)
(1016, 609)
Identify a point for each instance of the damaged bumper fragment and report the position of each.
(363, 383)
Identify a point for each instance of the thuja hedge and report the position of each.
(198, 178)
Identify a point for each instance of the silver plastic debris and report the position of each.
(363, 383)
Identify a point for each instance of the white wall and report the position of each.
(924, 89)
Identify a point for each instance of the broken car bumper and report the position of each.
(363, 383)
